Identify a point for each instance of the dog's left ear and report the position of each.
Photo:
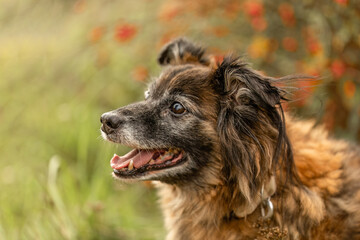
(182, 51)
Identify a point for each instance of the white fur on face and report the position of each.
(104, 136)
(146, 94)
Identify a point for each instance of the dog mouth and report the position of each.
(139, 162)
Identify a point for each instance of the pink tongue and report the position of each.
(139, 157)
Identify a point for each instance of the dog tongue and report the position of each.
(139, 157)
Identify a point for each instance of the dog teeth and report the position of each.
(152, 161)
(173, 151)
(131, 165)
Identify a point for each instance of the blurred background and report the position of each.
(65, 62)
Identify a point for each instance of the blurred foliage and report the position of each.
(63, 63)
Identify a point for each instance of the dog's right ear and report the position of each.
(182, 51)
(251, 125)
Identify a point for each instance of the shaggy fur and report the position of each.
(237, 140)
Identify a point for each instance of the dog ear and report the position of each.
(182, 51)
(233, 77)
(251, 125)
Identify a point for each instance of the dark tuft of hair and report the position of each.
(251, 106)
(182, 51)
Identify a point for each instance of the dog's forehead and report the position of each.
(188, 79)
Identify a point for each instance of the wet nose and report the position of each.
(110, 121)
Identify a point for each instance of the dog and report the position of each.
(227, 161)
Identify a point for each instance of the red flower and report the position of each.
(255, 12)
(338, 68)
(341, 2)
(125, 32)
(313, 46)
(258, 23)
(287, 15)
(254, 9)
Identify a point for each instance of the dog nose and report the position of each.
(110, 121)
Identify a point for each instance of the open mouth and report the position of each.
(140, 161)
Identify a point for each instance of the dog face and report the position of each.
(201, 123)
(174, 126)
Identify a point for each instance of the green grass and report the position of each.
(55, 178)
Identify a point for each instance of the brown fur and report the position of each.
(240, 131)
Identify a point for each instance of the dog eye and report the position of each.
(177, 108)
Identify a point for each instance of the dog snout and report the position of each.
(110, 122)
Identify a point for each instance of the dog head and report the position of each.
(202, 123)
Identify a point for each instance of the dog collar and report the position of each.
(267, 207)
(263, 200)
